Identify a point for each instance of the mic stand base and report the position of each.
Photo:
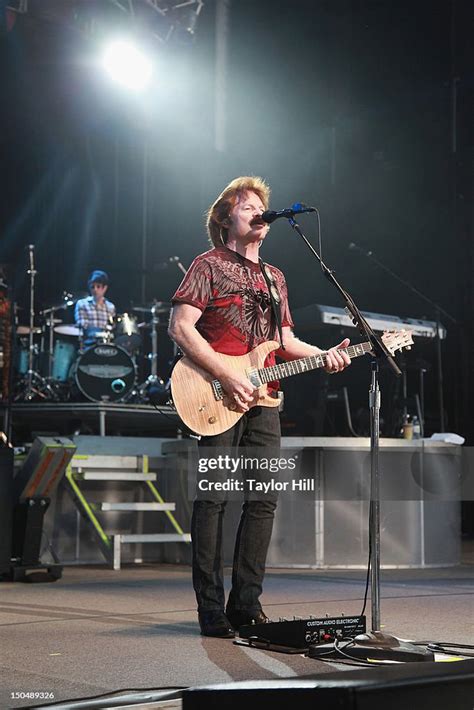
(379, 646)
(153, 390)
(35, 387)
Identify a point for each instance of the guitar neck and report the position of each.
(305, 364)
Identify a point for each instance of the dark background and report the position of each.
(362, 107)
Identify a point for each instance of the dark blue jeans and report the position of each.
(260, 427)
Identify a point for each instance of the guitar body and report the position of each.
(194, 396)
(206, 409)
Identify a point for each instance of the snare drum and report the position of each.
(127, 334)
(105, 373)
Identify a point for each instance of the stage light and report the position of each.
(127, 65)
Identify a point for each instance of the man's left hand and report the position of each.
(336, 359)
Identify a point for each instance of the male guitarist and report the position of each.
(223, 305)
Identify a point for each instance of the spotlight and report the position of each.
(127, 65)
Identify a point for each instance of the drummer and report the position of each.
(95, 313)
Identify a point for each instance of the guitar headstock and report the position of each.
(397, 340)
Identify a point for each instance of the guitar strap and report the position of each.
(275, 298)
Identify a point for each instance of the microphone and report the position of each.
(31, 256)
(166, 264)
(298, 208)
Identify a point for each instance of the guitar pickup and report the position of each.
(254, 377)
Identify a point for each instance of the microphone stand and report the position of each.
(35, 385)
(373, 644)
(184, 270)
(437, 312)
(176, 260)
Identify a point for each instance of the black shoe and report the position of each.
(215, 623)
(240, 618)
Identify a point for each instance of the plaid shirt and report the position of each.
(91, 317)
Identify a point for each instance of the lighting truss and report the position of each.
(173, 15)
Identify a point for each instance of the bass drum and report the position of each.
(105, 373)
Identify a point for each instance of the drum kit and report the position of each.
(52, 364)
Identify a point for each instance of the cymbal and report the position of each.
(25, 330)
(149, 325)
(157, 306)
(71, 330)
(57, 307)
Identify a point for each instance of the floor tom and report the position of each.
(64, 356)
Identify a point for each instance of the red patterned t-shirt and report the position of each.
(232, 294)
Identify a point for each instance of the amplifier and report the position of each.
(301, 633)
(6, 509)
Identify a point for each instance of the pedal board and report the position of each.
(301, 633)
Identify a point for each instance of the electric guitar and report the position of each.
(206, 409)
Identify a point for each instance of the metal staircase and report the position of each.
(134, 471)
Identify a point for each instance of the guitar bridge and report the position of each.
(217, 390)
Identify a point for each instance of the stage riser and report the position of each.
(328, 527)
(92, 419)
(308, 531)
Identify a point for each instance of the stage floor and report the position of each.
(96, 631)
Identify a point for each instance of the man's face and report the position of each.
(245, 223)
(98, 290)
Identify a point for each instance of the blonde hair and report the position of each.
(219, 211)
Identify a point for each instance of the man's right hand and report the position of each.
(238, 388)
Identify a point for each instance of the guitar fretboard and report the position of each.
(305, 364)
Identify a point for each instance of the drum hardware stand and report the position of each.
(374, 644)
(32, 378)
(153, 381)
(108, 334)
